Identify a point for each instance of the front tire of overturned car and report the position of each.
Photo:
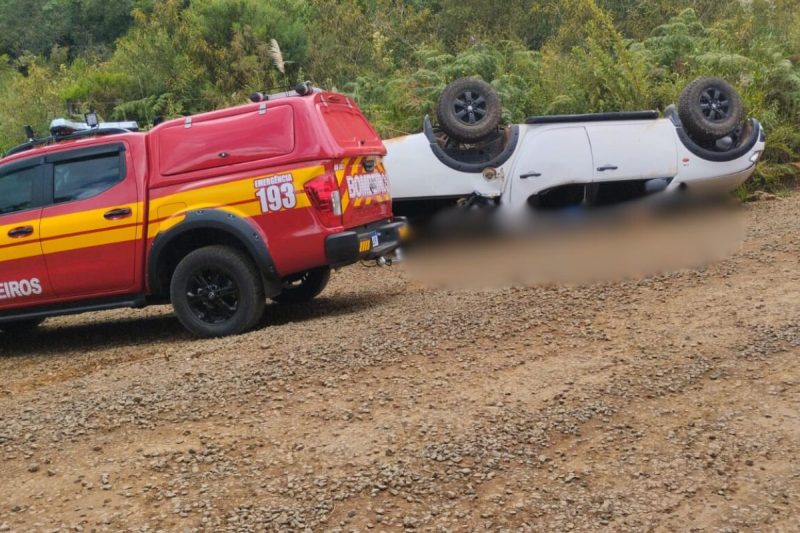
(217, 291)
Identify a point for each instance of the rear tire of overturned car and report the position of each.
(469, 110)
(304, 287)
(710, 108)
(217, 291)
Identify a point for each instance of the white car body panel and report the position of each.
(420, 174)
(567, 153)
(560, 154)
(639, 150)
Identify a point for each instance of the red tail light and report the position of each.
(325, 197)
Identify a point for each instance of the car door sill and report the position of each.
(73, 308)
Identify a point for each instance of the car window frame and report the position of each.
(76, 155)
(39, 196)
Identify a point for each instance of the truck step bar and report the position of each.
(74, 308)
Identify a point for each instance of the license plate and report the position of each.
(375, 240)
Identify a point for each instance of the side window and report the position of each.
(16, 190)
(78, 180)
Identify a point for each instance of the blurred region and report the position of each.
(484, 249)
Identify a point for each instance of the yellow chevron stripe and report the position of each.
(341, 173)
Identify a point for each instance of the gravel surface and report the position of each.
(668, 403)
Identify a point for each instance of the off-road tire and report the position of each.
(469, 110)
(305, 287)
(18, 327)
(201, 308)
(710, 108)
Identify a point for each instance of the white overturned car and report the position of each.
(552, 162)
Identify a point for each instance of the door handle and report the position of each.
(116, 214)
(530, 175)
(22, 231)
(607, 167)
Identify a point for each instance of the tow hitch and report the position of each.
(393, 258)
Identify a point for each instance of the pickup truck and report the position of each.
(214, 212)
(704, 145)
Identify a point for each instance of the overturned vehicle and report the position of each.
(702, 145)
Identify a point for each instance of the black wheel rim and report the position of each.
(715, 104)
(470, 107)
(213, 295)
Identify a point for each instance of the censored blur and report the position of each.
(475, 248)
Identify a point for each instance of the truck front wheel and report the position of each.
(217, 291)
(304, 287)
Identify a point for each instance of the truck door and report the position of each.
(634, 150)
(549, 157)
(91, 227)
(23, 274)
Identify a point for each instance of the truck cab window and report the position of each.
(16, 190)
(79, 180)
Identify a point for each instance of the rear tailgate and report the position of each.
(364, 189)
(360, 174)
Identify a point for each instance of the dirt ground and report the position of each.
(664, 404)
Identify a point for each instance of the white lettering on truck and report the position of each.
(364, 185)
(20, 288)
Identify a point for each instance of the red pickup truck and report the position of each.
(214, 213)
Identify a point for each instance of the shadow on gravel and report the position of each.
(55, 338)
(278, 315)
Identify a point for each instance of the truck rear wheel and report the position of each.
(304, 287)
(217, 291)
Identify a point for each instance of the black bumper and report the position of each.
(358, 244)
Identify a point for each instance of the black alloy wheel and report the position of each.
(714, 104)
(217, 291)
(469, 108)
(213, 295)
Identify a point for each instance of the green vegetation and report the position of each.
(138, 59)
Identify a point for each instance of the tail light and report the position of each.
(325, 197)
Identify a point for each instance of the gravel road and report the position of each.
(668, 403)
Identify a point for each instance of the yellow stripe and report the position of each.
(90, 220)
(58, 231)
(24, 246)
(86, 241)
(219, 196)
(21, 251)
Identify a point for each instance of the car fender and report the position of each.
(247, 233)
